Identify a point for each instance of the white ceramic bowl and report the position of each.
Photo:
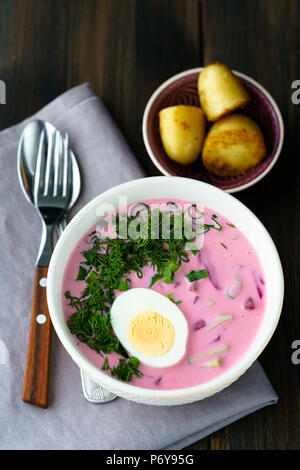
(190, 190)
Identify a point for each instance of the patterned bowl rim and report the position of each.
(174, 78)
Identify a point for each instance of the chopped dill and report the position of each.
(107, 264)
(125, 369)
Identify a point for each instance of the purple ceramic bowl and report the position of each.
(182, 89)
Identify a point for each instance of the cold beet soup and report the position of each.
(188, 253)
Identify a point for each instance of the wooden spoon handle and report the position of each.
(35, 387)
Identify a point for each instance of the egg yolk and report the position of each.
(151, 334)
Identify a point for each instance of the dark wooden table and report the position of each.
(126, 48)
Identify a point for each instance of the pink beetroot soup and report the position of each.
(234, 286)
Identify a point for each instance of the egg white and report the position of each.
(138, 300)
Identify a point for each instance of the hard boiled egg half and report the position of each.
(150, 327)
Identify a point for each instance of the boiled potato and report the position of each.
(182, 131)
(233, 145)
(220, 92)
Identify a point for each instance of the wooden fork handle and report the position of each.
(36, 379)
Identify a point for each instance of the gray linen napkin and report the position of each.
(71, 422)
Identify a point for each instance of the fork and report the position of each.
(52, 193)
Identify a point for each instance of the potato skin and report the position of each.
(182, 131)
(220, 92)
(233, 145)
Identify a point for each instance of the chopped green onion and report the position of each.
(234, 288)
(196, 275)
(219, 320)
(216, 362)
(211, 352)
(196, 210)
(169, 270)
(105, 364)
(155, 278)
(171, 297)
(219, 226)
(192, 247)
(123, 285)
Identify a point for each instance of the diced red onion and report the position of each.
(210, 268)
(157, 381)
(199, 324)
(217, 338)
(194, 286)
(258, 283)
(259, 291)
(249, 304)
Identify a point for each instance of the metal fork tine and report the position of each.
(70, 170)
(67, 167)
(50, 164)
(39, 168)
(57, 164)
(70, 179)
